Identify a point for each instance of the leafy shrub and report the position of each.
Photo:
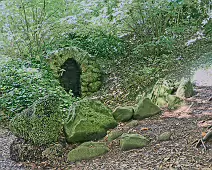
(157, 47)
(23, 82)
(146, 20)
(29, 26)
(161, 28)
(34, 27)
(40, 123)
(96, 43)
(207, 27)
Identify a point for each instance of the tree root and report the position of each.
(202, 141)
(208, 136)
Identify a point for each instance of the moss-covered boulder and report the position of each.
(174, 101)
(40, 123)
(114, 134)
(123, 114)
(164, 136)
(161, 102)
(161, 90)
(132, 123)
(87, 150)
(133, 141)
(164, 94)
(90, 120)
(145, 108)
(163, 87)
(185, 89)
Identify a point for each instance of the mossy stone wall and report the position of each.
(91, 72)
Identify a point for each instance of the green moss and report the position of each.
(174, 101)
(114, 134)
(85, 130)
(123, 114)
(163, 94)
(91, 73)
(164, 136)
(87, 150)
(163, 88)
(39, 124)
(146, 109)
(132, 141)
(132, 123)
(91, 122)
(161, 102)
(95, 86)
(185, 89)
(90, 77)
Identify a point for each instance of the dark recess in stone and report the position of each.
(70, 79)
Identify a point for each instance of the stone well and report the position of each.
(76, 70)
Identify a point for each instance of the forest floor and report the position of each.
(187, 125)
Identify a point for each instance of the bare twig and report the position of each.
(202, 141)
(189, 107)
(203, 144)
(198, 143)
(208, 136)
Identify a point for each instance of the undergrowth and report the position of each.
(23, 82)
(135, 41)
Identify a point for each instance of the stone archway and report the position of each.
(70, 78)
(91, 75)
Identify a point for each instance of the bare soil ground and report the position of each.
(187, 125)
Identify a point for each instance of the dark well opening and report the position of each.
(70, 78)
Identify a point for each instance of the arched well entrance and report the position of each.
(70, 78)
(76, 70)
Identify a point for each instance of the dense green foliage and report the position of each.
(97, 43)
(23, 82)
(144, 39)
(152, 27)
(39, 26)
(164, 27)
(41, 123)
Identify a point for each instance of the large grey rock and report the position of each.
(40, 123)
(133, 141)
(87, 150)
(146, 109)
(123, 114)
(90, 120)
(185, 89)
